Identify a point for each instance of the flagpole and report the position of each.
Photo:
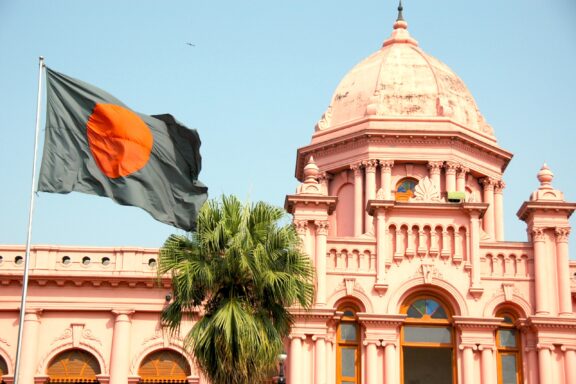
(29, 236)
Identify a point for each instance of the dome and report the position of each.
(399, 82)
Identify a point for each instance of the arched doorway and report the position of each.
(164, 366)
(73, 366)
(3, 369)
(427, 342)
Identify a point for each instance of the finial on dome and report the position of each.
(545, 177)
(400, 9)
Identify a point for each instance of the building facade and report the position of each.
(400, 207)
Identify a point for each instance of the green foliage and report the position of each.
(245, 270)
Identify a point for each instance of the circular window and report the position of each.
(66, 260)
(152, 263)
(1, 259)
(85, 260)
(105, 261)
(18, 260)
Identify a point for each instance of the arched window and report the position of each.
(405, 189)
(3, 369)
(164, 366)
(427, 342)
(348, 347)
(509, 351)
(73, 366)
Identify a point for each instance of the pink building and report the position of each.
(401, 210)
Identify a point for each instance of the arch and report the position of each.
(161, 340)
(444, 289)
(74, 364)
(357, 295)
(522, 306)
(350, 301)
(404, 188)
(43, 366)
(7, 358)
(164, 365)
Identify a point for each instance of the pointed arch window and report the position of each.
(508, 349)
(427, 336)
(348, 347)
(405, 189)
(73, 366)
(164, 366)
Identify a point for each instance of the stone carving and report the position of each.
(325, 120)
(428, 272)
(77, 333)
(380, 194)
(562, 234)
(426, 192)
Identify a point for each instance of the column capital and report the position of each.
(301, 226)
(451, 167)
(488, 183)
(370, 165)
(366, 342)
(357, 168)
(562, 234)
(486, 347)
(387, 165)
(435, 167)
(499, 186)
(462, 170)
(319, 337)
(537, 233)
(541, 347)
(473, 347)
(123, 315)
(571, 347)
(297, 336)
(32, 314)
(321, 227)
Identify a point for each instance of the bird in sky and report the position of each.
(190, 44)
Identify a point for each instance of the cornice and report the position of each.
(557, 206)
(544, 322)
(88, 280)
(465, 322)
(292, 200)
(372, 319)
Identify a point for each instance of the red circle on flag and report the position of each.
(119, 140)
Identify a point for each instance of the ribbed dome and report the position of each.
(401, 81)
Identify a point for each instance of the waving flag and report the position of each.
(95, 144)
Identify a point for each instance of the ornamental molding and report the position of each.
(544, 323)
(78, 334)
(562, 234)
(428, 272)
(67, 341)
(157, 342)
(426, 192)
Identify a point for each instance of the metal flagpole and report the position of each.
(28, 238)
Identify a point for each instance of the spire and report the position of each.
(400, 9)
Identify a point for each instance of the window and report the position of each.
(73, 366)
(427, 342)
(348, 348)
(3, 368)
(405, 189)
(508, 346)
(164, 366)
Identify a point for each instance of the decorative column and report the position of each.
(386, 177)
(451, 168)
(499, 210)
(461, 178)
(563, 271)
(371, 361)
(358, 209)
(488, 184)
(321, 241)
(487, 362)
(120, 357)
(390, 364)
(475, 210)
(545, 363)
(370, 170)
(434, 168)
(319, 359)
(468, 363)
(540, 272)
(28, 357)
(302, 229)
(570, 363)
(295, 358)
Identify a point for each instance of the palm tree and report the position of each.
(244, 269)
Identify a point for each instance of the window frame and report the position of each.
(505, 350)
(404, 196)
(340, 344)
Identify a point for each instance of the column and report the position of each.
(120, 357)
(532, 362)
(475, 248)
(319, 359)
(488, 185)
(380, 246)
(371, 361)
(467, 364)
(390, 364)
(358, 209)
(570, 363)
(28, 357)
(540, 272)
(321, 235)
(461, 178)
(487, 361)
(295, 357)
(386, 178)
(544, 363)
(499, 210)
(302, 229)
(451, 168)
(370, 170)
(434, 168)
(563, 271)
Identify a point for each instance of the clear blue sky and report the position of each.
(260, 76)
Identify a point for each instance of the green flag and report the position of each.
(95, 144)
